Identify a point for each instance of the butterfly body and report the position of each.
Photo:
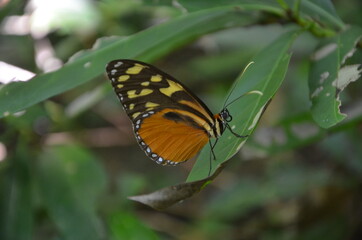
(170, 123)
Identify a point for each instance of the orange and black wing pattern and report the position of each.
(170, 123)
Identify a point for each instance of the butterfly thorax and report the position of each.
(221, 120)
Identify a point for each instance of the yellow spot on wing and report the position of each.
(120, 85)
(156, 78)
(151, 105)
(144, 92)
(131, 106)
(123, 78)
(135, 115)
(145, 84)
(136, 69)
(173, 87)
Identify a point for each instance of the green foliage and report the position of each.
(330, 74)
(68, 162)
(86, 65)
(260, 81)
(70, 182)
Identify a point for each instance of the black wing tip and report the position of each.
(112, 64)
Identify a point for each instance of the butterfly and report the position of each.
(170, 123)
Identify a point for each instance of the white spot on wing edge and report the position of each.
(159, 160)
(118, 64)
(256, 118)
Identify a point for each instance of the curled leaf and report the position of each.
(169, 196)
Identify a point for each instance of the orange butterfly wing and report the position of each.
(170, 123)
(173, 141)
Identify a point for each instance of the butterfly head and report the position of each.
(223, 119)
(225, 116)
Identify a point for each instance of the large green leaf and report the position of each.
(268, 5)
(147, 45)
(329, 75)
(71, 180)
(262, 79)
(264, 76)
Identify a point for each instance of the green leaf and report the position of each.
(168, 196)
(71, 180)
(322, 11)
(262, 5)
(265, 75)
(197, 5)
(262, 79)
(146, 45)
(16, 196)
(329, 76)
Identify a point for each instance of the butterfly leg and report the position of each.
(212, 146)
(212, 154)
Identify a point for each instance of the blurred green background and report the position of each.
(68, 163)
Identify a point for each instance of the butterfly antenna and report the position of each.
(247, 93)
(233, 88)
